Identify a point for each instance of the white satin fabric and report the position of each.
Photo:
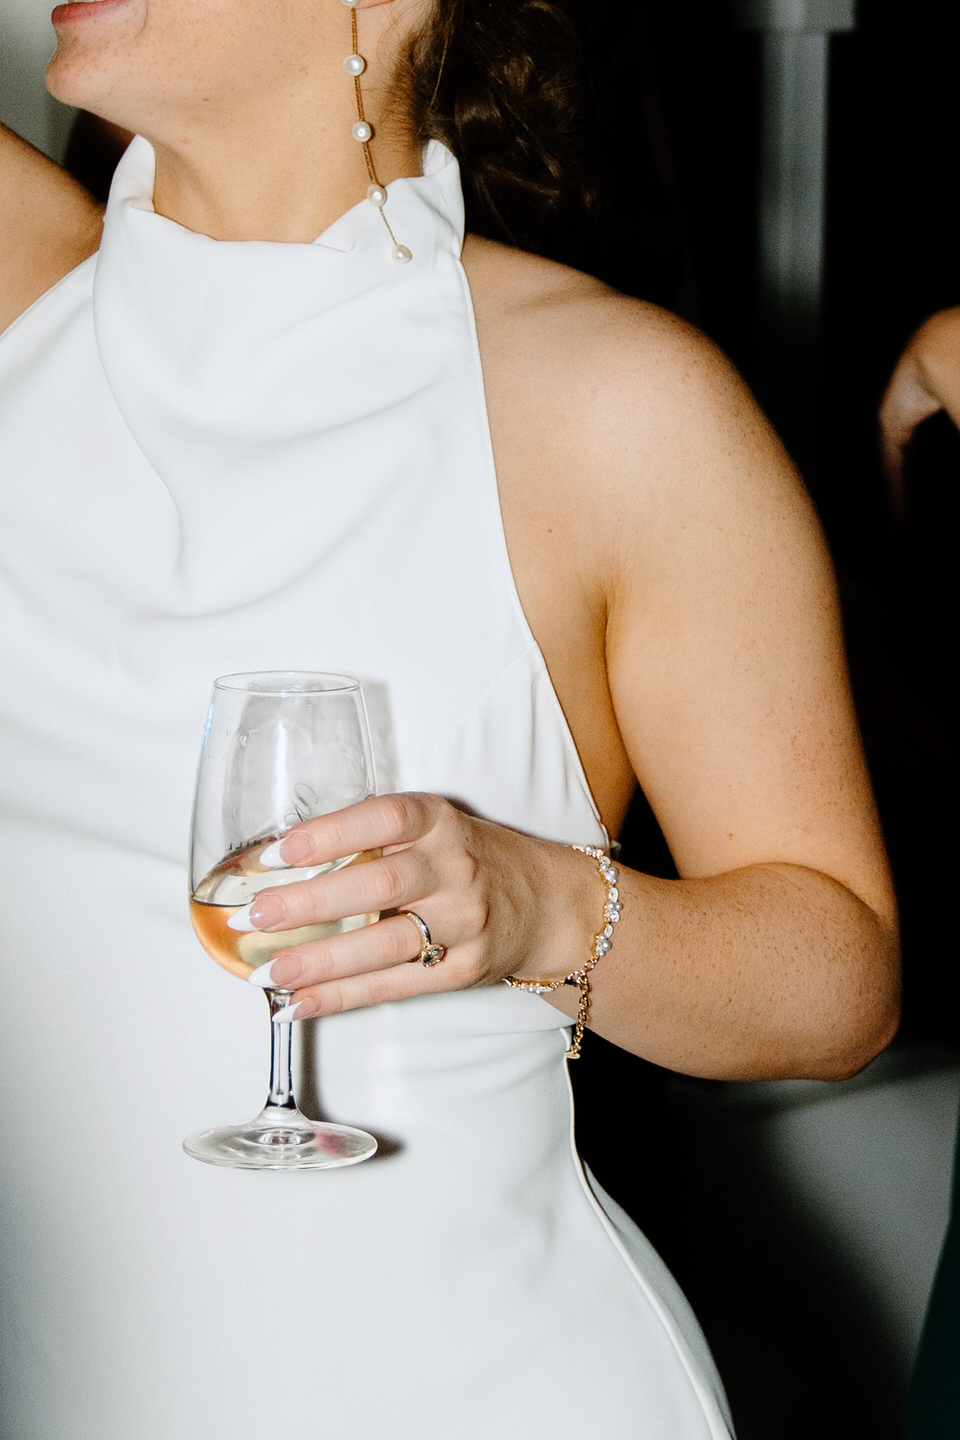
(241, 456)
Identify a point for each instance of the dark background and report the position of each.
(675, 110)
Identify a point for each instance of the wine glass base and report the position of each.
(268, 1144)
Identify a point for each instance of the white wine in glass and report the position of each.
(279, 747)
(234, 883)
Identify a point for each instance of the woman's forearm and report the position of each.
(772, 971)
(768, 971)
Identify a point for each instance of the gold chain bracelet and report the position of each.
(602, 942)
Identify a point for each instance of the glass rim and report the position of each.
(288, 682)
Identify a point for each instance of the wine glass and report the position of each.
(279, 747)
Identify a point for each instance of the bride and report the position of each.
(228, 445)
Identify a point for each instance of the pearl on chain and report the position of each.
(362, 130)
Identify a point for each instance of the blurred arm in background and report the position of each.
(926, 379)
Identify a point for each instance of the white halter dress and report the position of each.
(242, 456)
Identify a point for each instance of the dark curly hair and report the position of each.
(500, 84)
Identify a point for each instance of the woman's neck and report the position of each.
(249, 109)
(287, 178)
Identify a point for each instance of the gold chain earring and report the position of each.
(362, 131)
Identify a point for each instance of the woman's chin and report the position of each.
(65, 81)
(92, 36)
(74, 81)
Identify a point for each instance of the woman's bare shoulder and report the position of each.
(538, 301)
(598, 373)
(48, 225)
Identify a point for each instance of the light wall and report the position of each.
(26, 43)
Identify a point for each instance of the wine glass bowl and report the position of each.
(279, 748)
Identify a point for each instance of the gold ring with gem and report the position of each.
(430, 954)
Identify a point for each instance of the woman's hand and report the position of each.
(926, 379)
(500, 903)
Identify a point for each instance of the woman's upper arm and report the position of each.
(48, 225)
(724, 643)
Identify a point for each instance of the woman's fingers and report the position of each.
(355, 992)
(357, 969)
(427, 870)
(389, 942)
(379, 823)
(382, 883)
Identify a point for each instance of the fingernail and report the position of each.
(295, 847)
(271, 859)
(262, 977)
(288, 1012)
(277, 974)
(240, 919)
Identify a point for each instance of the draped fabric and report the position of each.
(218, 457)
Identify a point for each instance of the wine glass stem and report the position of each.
(281, 1076)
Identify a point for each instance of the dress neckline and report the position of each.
(236, 364)
(436, 190)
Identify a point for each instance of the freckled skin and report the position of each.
(212, 85)
(665, 554)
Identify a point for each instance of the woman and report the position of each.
(221, 455)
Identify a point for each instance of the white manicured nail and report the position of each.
(289, 1012)
(241, 921)
(271, 859)
(261, 977)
